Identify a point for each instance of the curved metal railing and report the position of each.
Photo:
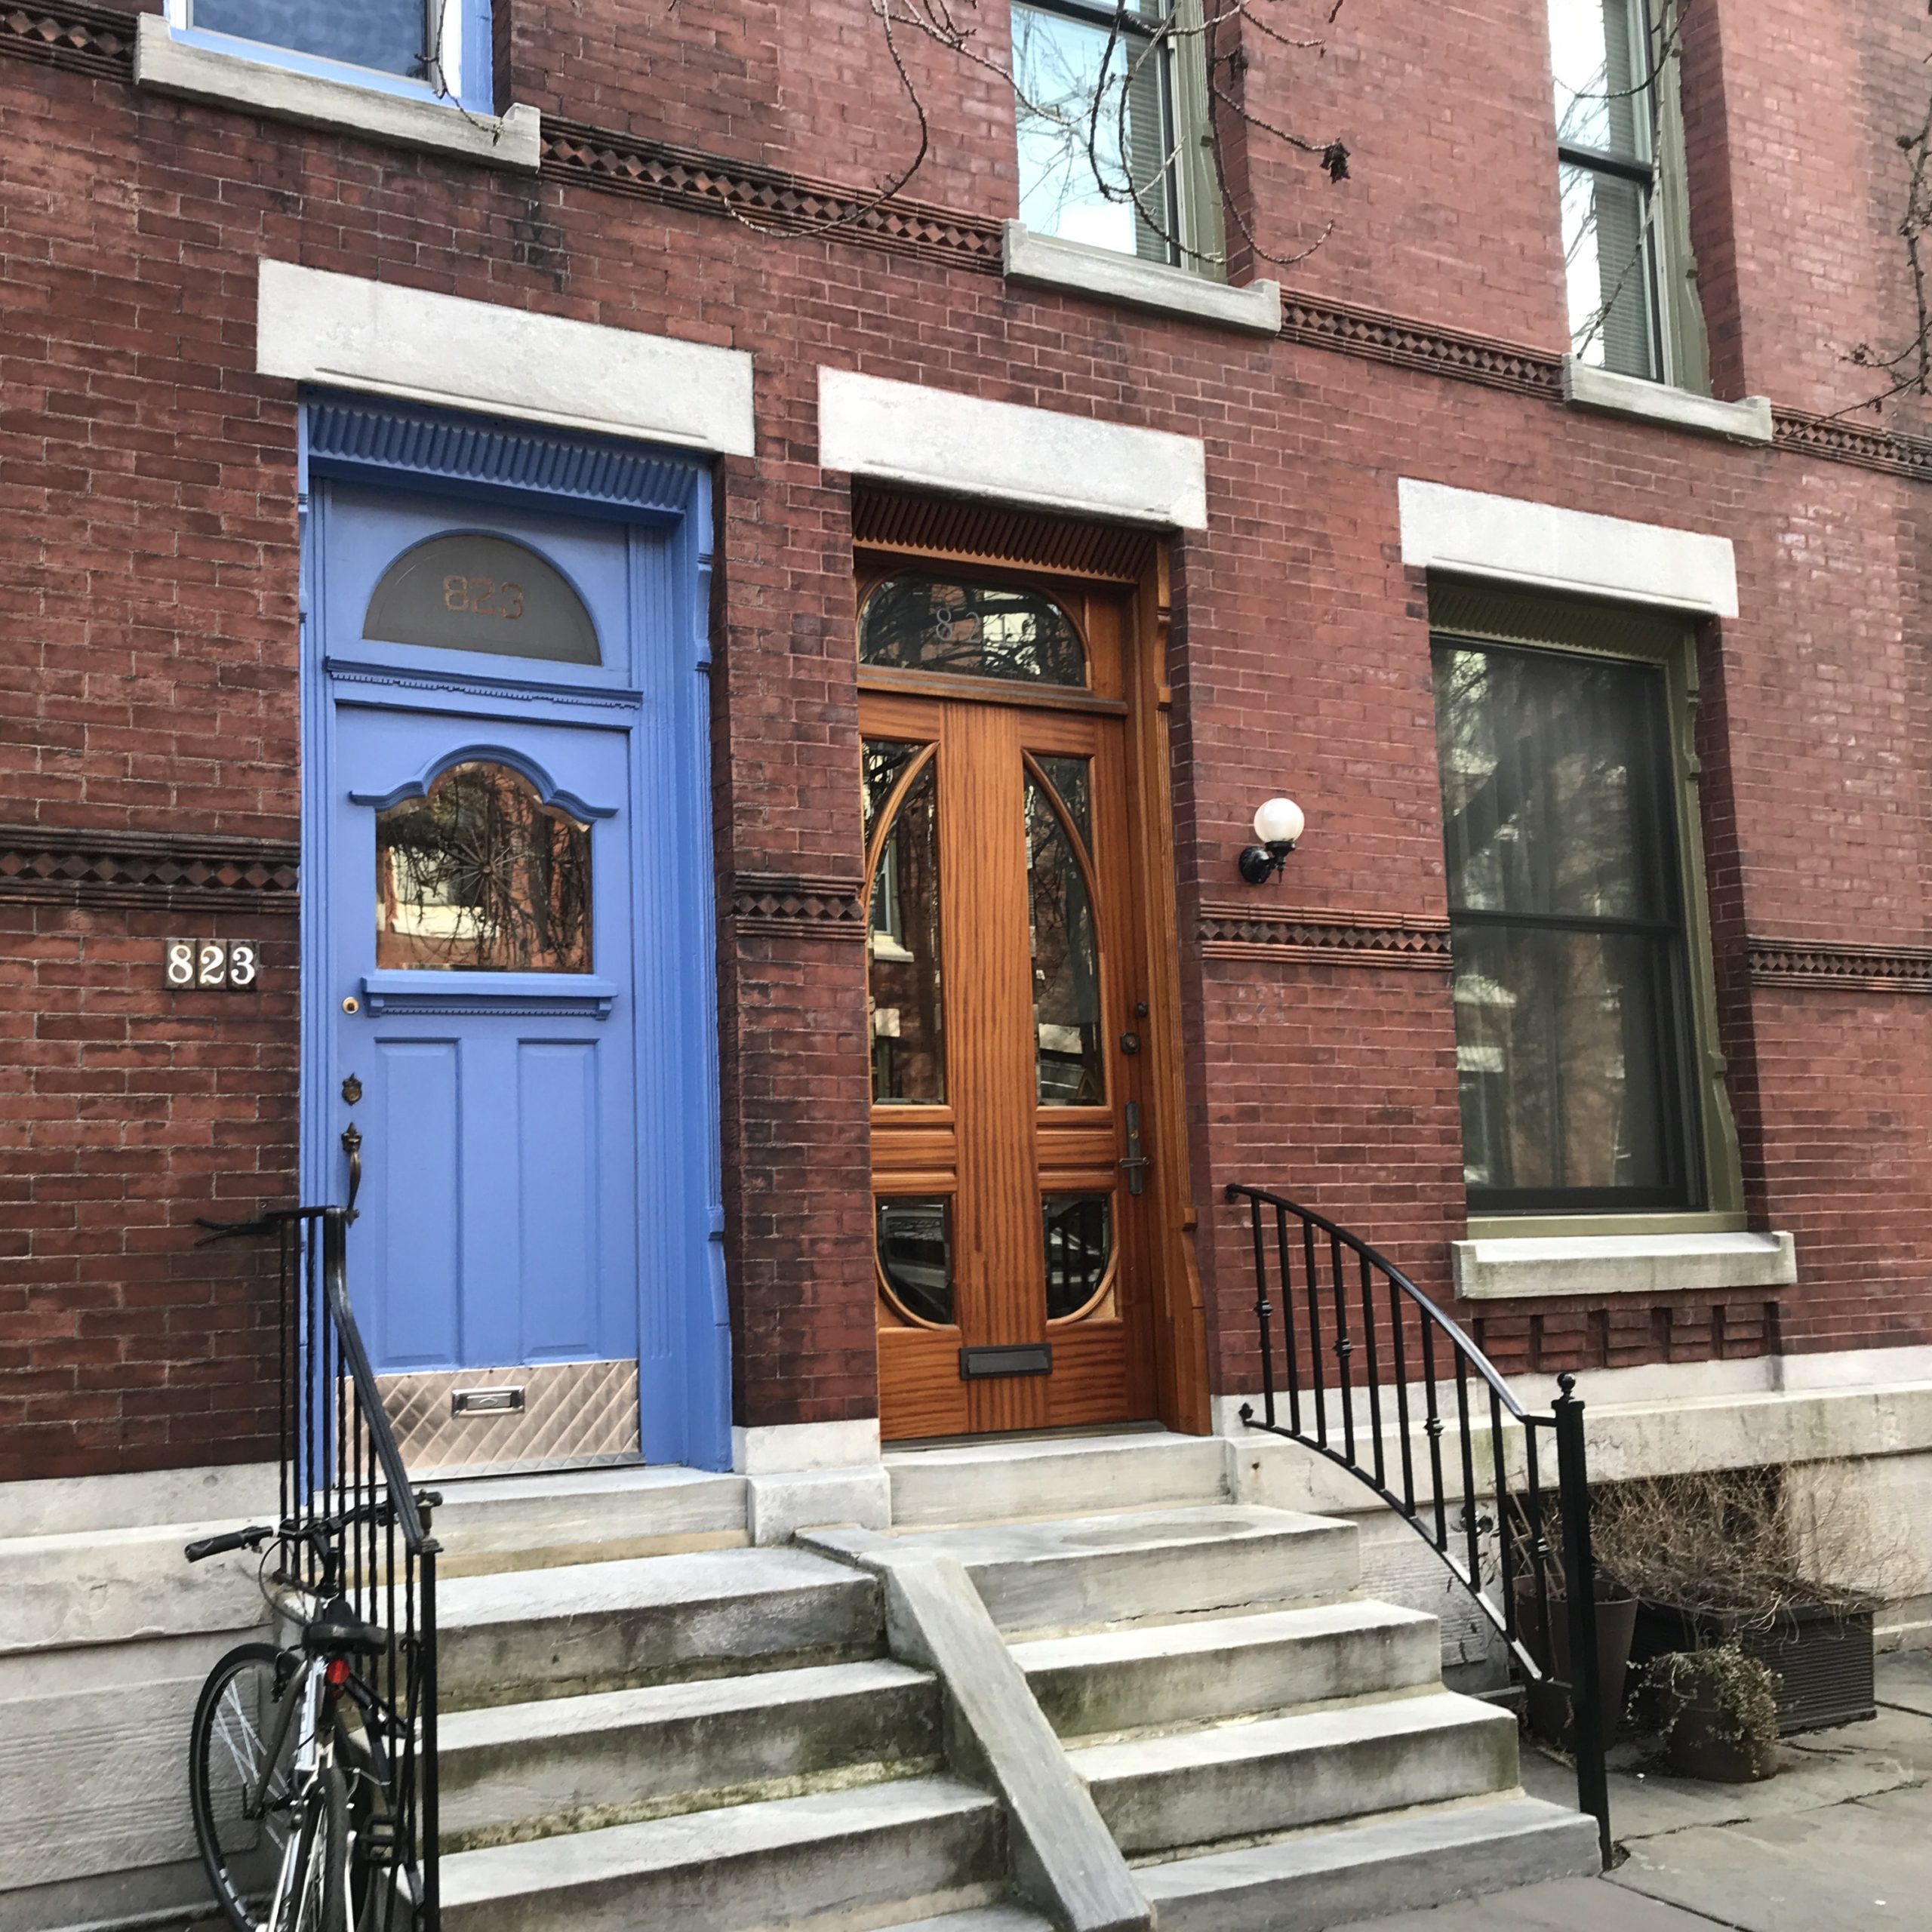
(343, 1473)
(1377, 1379)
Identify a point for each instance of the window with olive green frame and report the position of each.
(1585, 1014)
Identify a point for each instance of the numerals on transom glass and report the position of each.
(902, 931)
(973, 630)
(480, 875)
(1070, 1066)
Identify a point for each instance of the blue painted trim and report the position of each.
(361, 440)
(666, 496)
(547, 788)
(565, 995)
(447, 674)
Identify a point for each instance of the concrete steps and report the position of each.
(1193, 1787)
(1156, 1676)
(1012, 1480)
(518, 1636)
(486, 1523)
(716, 1737)
(518, 1771)
(885, 1855)
(1310, 1881)
(1103, 1572)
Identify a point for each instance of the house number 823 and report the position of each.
(208, 964)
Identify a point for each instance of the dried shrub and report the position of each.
(1744, 1543)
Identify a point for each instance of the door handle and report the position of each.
(1135, 1163)
(351, 1146)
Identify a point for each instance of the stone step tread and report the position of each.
(1399, 1863)
(711, 1698)
(1074, 1539)
(696, 1841)
(1177, 1753)
(987, 1919)
(640, 1582)
(671, 1482)
(1042, 1448)
(1308, 1623)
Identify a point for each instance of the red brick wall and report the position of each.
(149, 550)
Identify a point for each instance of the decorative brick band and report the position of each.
(95, 40)
(100, 40)
(794, 907)
(1376, 337)
(1894, 969)
(162, 870)
(1838, 441)
(1413, 942)
(765, 197)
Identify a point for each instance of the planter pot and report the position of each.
(1701, 1748)
(1822, 1655)
(1547, 1705)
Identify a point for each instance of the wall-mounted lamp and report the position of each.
(1278, 824)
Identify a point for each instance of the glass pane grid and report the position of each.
(1567, 929)
(1094, 122)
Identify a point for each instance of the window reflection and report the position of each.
(1567, 924)
(902, 931)
(975, 630)
(480, 875)
(915, 1256)
(1066, 957)
(1079, 1231)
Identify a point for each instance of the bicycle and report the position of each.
(291, 1757)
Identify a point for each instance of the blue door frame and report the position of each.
(360, 457)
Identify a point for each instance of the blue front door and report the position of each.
(508, 975)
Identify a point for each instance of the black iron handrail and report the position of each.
(350, 1512)
(1398, 1389)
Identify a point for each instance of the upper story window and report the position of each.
(1102, 107)
(1608, 58)
(435, 47)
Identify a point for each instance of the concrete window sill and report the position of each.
(1586, 386)
(167, 66)
(1487, 1270)
(1049, 263)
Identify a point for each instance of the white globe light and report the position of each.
(1279, 823)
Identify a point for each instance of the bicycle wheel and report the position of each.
(239, 1711)
(321, 1859)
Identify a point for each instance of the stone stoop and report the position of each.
(1272, 1753)
(718, 1737)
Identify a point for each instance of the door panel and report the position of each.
(1033, 982)
(481, 941)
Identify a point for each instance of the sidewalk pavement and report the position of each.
(1840, 1840)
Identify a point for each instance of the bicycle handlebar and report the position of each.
(251, 1538)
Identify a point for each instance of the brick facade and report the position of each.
(151, 549)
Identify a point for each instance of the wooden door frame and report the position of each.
(1178, 1324)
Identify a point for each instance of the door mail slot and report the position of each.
(1020, 1358)
(486, 1401)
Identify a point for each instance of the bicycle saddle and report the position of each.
(337, 1633)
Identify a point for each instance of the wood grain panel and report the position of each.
(997, 1150)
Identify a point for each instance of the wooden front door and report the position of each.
(1006, 1011)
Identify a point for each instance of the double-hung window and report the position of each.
(1603, 54)
(1101, 95)
(1574, 942)
(435, 48)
